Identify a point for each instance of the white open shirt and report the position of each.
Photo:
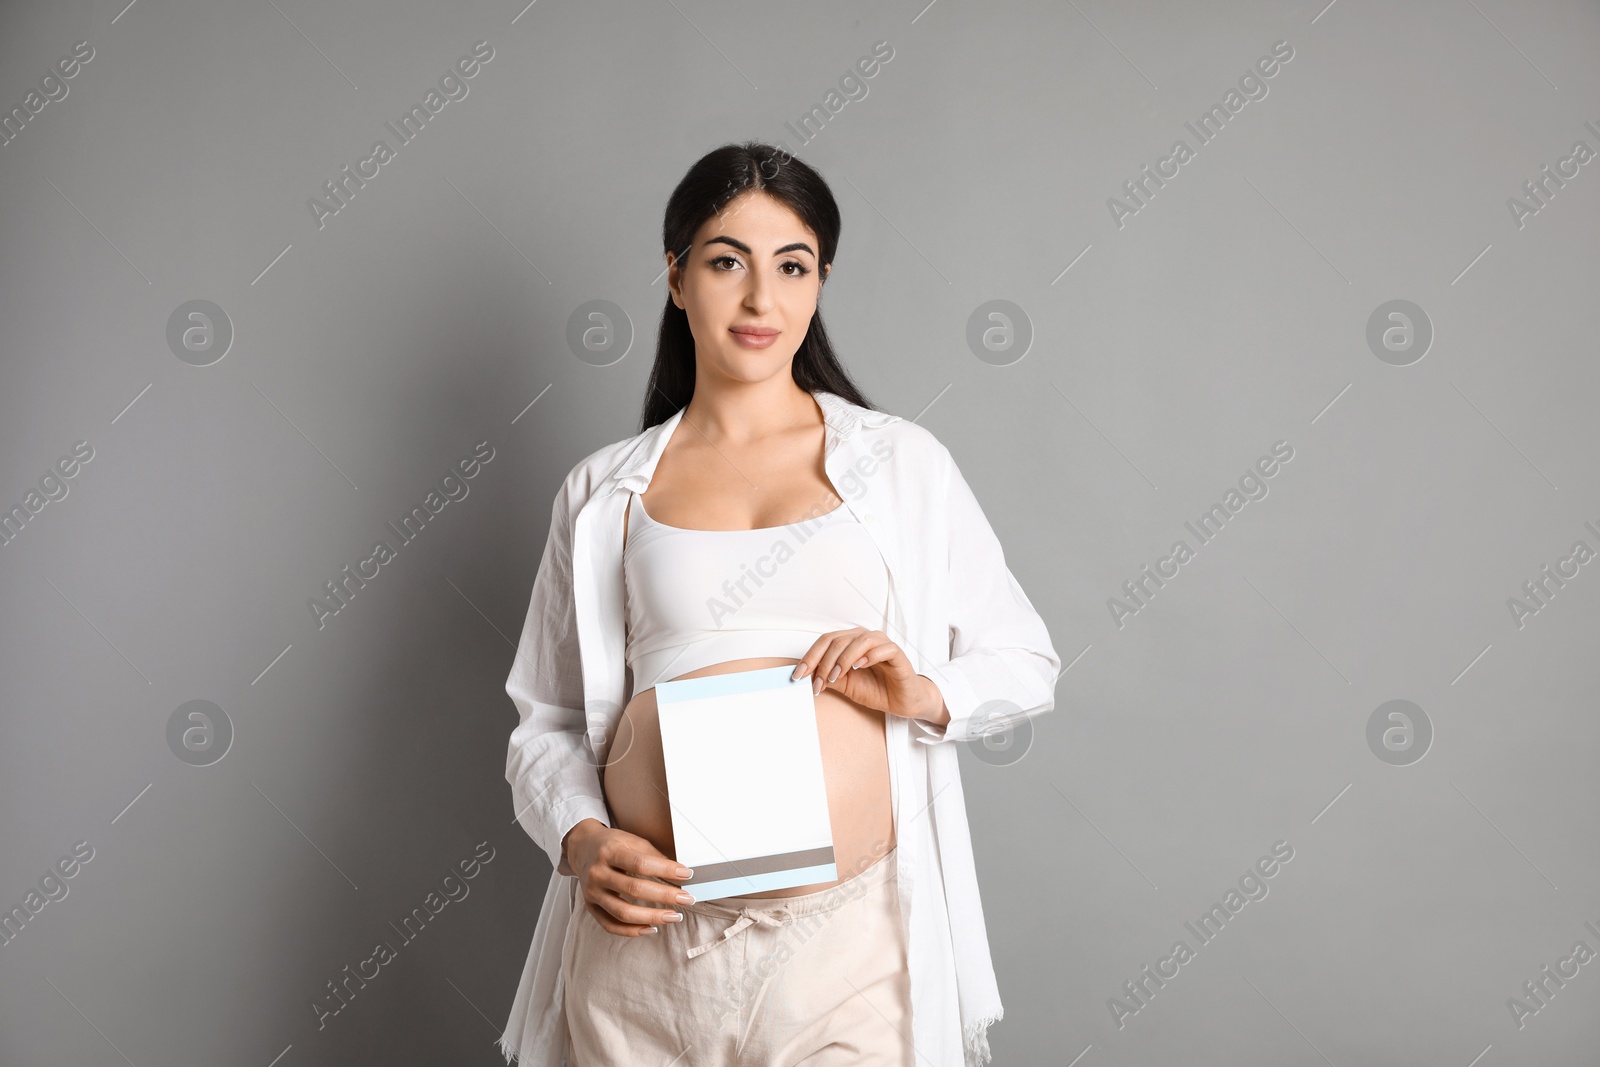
(957, 612)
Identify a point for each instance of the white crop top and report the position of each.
(699, 597)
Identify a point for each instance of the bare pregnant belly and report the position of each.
(855, 763)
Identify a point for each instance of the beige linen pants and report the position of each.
(818, 980)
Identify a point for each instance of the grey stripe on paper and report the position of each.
(783, 861)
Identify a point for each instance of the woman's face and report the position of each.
(751, 270)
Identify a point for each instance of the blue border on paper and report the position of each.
(717, 685)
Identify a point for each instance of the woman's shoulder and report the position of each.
(903, 433)
(587, 474)
(902, 439)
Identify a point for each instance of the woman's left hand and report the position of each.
(868, 668)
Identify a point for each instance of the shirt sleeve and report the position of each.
(554, 781)
(1002, 666)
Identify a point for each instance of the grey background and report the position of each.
(1229, 313)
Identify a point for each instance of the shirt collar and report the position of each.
(840, 417)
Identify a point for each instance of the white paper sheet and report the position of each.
(745, 782)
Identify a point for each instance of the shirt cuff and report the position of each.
(959, 701)
(572, 813)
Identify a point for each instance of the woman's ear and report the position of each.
(672, 291)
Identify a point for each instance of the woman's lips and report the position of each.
(752, 337)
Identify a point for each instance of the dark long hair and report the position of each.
(715, 179)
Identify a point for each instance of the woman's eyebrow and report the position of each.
(793, 246)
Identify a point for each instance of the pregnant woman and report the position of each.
(766, 515)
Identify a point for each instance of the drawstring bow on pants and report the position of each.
(748, 917)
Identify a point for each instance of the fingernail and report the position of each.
(858, 664)
(653, 930)
(816, 687)
(833, 675)
(685, 898)
(685, 872)
(800, 670)
(675, 917)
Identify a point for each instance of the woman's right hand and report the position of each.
(611, 864)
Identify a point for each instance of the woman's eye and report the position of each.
(800, 269)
